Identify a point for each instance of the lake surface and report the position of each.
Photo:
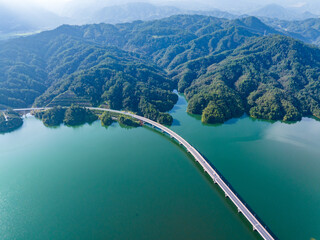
(92, 182)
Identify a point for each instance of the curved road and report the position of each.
(257, 226)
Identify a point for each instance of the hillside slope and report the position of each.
(273, 77)
(55, 69)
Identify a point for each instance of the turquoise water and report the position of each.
(92, 182)
(274, 166)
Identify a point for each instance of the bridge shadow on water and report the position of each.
(176, 122)
(167, 137)
(228, 203)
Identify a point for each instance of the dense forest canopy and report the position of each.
(224, 67)
(106, 119)
(71, 116)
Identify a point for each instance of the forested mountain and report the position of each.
(306, 30)
(225, 68)
(62, 70)
(272, 77)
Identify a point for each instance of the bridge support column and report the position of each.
(226, 195)
(239, 211)
(215, 181)
(254, 227)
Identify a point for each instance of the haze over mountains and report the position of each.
(29, 18)
(279, 12)
(144, 11)
(305, 30)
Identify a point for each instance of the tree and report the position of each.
(106, 119)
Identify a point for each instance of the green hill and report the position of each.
(271, 77)
(52, 69)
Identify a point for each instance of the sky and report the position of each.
(60, 6)
(52, 5)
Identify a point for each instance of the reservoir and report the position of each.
(92, 182)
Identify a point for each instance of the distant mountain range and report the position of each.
(143, 11)
(27, 20)
(278, 12)
(11, 21)
(306, 30)
(32, 19)
(132, 12)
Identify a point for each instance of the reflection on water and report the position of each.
(304, 134)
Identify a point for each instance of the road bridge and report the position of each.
(214, 175)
